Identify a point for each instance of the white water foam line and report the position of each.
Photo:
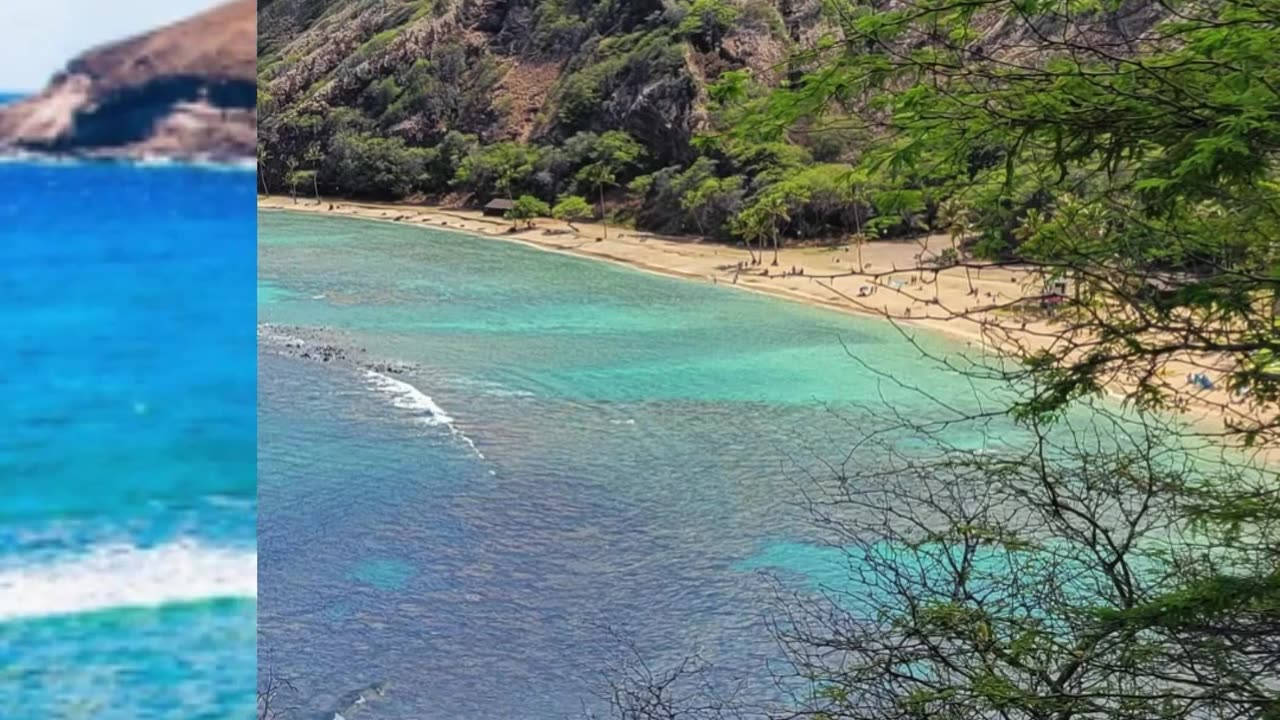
(407, 397)
(110, 577)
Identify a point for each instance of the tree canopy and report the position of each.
(1102, 562)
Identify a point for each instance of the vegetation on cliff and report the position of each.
(476, 100)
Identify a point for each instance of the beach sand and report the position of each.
(911, 298)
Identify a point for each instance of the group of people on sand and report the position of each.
(1200, 380)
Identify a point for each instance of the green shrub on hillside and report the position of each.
(707, 22)
(527, 208)
(376, 167)
(499, 170)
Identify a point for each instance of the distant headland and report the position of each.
(185, 91)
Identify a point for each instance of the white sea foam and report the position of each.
(22, 157)
(111, 577)
(407, 397)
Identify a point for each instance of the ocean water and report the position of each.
(535, 457)
(127, 461)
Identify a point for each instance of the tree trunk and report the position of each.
(315, 180)
(857, 226)
(263, 177)
(604, 221)
(955, 245)
(775, 247)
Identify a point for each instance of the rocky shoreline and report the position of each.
(323, 345)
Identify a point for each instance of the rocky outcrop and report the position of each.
(184, 91)
(529, 70)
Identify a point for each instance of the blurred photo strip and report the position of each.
(128, 560)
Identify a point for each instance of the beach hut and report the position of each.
(498, 207)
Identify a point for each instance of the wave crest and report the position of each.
(426, 411)
(407, 397)
(111, 577)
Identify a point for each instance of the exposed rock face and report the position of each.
(184, 91)
(529, 70)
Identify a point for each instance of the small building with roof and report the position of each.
(498, 207)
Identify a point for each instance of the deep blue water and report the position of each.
(574, 446)
(127, 461)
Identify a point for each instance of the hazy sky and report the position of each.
(38, 37)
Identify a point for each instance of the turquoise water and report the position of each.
(127, 464)
(574, 445)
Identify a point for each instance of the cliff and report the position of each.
(182, 91)
(630, 106)
(517, 70)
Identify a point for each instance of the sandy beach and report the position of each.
(911, 298)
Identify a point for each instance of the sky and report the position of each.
(38, 37)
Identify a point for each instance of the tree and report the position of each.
(1062, 579)
(293, 176)
(314, 158)
(1089, 563)
(712, 202)
(264, 156)
(959, 223)
(376, 167)
(503, 168)
(761, 219)
(708, 21)
(526, 208)
(613, 153)
(859, 239)
(275, 688)
(1151, 163)
(570, 208)
(296, 178)
(751, 225)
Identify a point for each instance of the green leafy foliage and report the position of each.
(707, 22)
(527, 208)
(1141, 175)
(571, 208)
(502, 169)
(376, 167)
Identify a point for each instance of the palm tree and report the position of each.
(755, 232)
(959, 223)
(775, 208)
(750, 225)
(313, 158)
(859, 237)
(600, 175)
(615, 151)
(292, 177)
(263, 156)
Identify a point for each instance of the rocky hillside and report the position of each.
(531, 70)
(602, 101)
(630, 109)
(186, 90)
